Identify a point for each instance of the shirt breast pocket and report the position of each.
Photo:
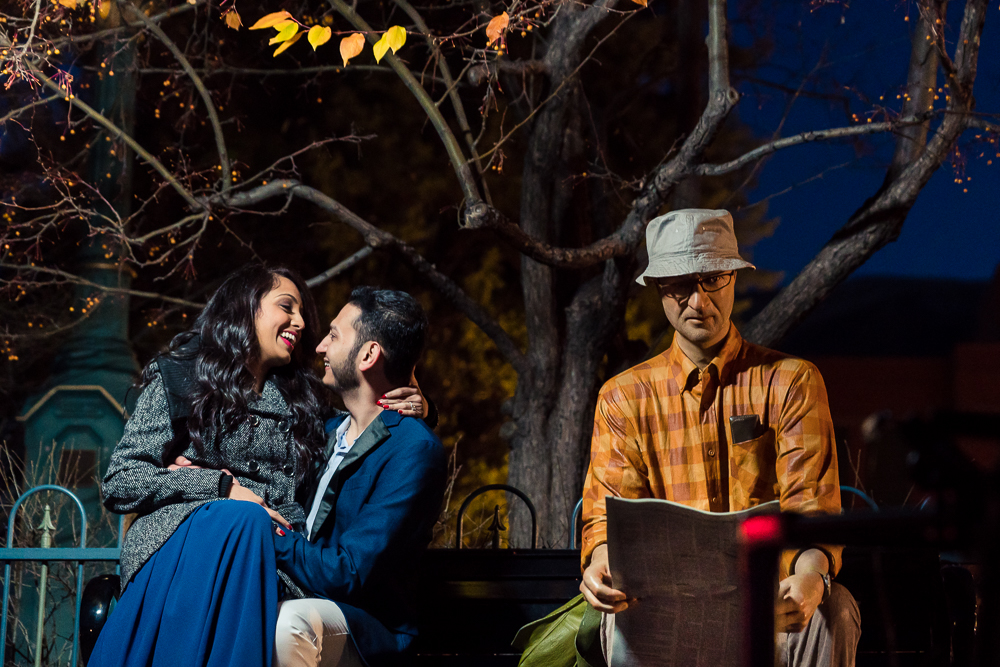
(752, 471)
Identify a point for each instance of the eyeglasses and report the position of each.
(682, 289)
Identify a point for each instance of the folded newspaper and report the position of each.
(680, 565)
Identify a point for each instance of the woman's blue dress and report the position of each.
(208, 597)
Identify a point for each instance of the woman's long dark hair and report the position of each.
(228, 349)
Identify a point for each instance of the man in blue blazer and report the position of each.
(376, 500)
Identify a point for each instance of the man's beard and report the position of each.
(345, 376)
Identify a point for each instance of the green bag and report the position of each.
(570, 636)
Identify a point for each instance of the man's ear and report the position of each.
(371, 352)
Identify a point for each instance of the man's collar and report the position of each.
(681, 367)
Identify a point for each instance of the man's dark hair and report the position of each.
(396, 322)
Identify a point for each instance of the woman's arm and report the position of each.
(137, 479)
(410, 401)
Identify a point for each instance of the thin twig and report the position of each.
(38, 102)
(452, 91)
(458, 161)
(206, 72)
(808, 137)
(377, 238)
(213, 116)
(117, 132)
(340, 267)
(77, 280)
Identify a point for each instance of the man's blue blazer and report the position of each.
(376, 517)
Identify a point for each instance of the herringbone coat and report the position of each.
(260, 453)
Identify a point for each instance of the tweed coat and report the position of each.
(260, 453)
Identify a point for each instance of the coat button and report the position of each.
(254, 420)
(283, 426)
(711, 452)
(288, 469)
(253, 466)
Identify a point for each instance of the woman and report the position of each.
(201, 586)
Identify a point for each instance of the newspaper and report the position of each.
(680, 564)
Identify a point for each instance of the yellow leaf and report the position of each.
(288, 43)
(281, 25)
(69, 4)
(233, 20)
(641, 2)
(270, 20)
(495, 28)
(319, 35)
(396, 37)
(104, 8)
(285, 34)
(351, 46)
(381, 46)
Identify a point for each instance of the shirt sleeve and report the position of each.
(616, 467)
(808, 478)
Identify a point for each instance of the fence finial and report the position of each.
(46, 543)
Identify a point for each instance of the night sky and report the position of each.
(949, 232)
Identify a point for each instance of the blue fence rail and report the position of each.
(81, 554)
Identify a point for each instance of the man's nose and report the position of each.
(697, 297)
(321, 348)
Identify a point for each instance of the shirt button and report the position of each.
(253, 466)
(283, 426)
(711, 452)
(288, 469)
(254, 420)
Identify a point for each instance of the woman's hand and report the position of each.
(407, 401)
(239, 492)
(236, 492)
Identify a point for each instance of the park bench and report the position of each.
(915, 611)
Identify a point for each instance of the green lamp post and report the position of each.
(77, 415)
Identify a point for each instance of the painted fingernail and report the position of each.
(400, 411)
(279, 531)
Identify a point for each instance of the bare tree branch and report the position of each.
(458, 161)
(450, 84)
(40, 101)
(920, 80)
(340, 267)
(879, 220)
(115, 131)
(213, 116)
(656, 188)
(811, 136)
(208, 72)
(77, 280)
(108, 32)
(983, 124)
(378, 239)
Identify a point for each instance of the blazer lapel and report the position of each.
(373, 436)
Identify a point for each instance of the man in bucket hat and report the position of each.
(720, 424)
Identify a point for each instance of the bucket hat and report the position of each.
(691, 240)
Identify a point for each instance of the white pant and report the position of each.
(313, 633)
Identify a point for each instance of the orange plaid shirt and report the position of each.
(662, 430)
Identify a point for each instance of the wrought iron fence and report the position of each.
(44, 554)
